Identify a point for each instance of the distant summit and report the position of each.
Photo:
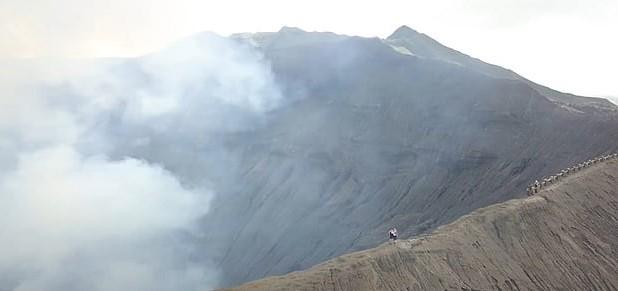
(287, 37)
(409, 41)
(290, 29)
(403, 31)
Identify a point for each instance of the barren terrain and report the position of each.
(563, 238)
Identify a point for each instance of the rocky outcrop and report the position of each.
(563, 238)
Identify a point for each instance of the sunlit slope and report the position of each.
(564, 238)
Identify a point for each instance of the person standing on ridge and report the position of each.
(392, 234)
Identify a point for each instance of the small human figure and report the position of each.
(392, 234)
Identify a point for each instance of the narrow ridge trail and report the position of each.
(565, 237)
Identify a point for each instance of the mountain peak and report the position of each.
(403, 32)
(289, 29)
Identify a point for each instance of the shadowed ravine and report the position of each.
(563, 238)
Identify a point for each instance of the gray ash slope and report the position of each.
(422, 45)
(564, 238)
(374, 136)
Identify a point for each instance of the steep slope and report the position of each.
(408, 40)
(563, 238)
(371, 138)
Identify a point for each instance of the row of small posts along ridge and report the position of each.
(546, 181)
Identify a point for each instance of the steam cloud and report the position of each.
(91, 196)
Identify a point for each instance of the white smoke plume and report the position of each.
(80, 207)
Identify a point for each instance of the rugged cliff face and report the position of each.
(563, 238)
(372, 137)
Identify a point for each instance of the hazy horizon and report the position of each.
(160, 172)
(537, 40)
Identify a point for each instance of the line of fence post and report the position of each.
(537, 185)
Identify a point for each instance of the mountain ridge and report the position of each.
(371, 138)
(423, 45)
(514, 245)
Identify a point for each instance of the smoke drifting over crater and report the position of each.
(90, 195)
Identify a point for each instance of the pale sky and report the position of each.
(568, 45)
